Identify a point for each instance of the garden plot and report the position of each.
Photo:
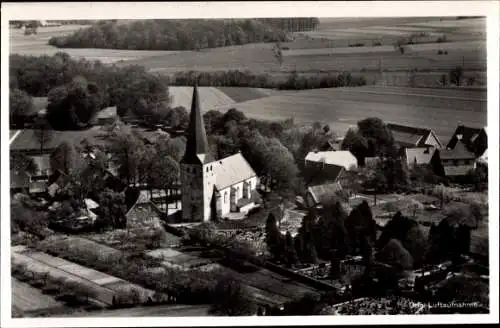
(104, 285)
(26, 298)
(173, 258)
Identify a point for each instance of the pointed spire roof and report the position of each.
(197, 150)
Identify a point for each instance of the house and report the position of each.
(317, 195)
(418, 156)
(343, 158)
(212, 188)
(328, 165)
(143, 214)
(408, 136)
(332, 145)
(474, 139)
(19, 181)
(28, 118)
(106, 116)
(456, 162)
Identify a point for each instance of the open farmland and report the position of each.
(437, 109)
(342, 32)
(214, 97)
(260, 59)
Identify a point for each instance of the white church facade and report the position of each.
(212, 188)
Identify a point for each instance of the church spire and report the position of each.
(197, 145)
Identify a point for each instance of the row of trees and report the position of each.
(236, 78)
(163, 34)
(331, 234)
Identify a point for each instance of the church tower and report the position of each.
(197, 171)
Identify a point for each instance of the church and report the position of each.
(212, 188)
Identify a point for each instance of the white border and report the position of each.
(106, 10)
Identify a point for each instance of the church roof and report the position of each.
(231, 170)
(197, 143)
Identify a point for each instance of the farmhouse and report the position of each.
(456, 162)
(474, 139)
(408, 136)
(418, 156)
(106, 116)
(328, 165)
(319, 194)
(212, 188)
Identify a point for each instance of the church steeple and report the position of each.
(197, 150)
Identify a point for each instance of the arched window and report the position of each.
(225, 197)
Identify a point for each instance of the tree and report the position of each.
(63, 158)
(277, 53)
(380, 141)
(356, 144)
(20, 106)
(396, 255)
(231, 298)
(22, 163)
(456, 75)
(273, 237)
(463, 289)
(112, 209)
(126, 148)
(164, 175)
(291, 254)
(74, 104)
(43, 133)
(416, 243)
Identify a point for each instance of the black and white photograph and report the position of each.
(252, 164)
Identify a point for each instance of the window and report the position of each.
(207, 168)
(225, 197)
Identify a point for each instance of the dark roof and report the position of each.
(27, 140)
(197, 143)
(460, 151)
(475, 139)
(320, 192)
(467, 133)
(408, 135)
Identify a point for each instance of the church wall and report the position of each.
(192, 193)
(226, 205)
(208, 189)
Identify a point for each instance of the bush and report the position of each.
(442, 39)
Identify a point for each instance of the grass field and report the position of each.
(438, 109)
